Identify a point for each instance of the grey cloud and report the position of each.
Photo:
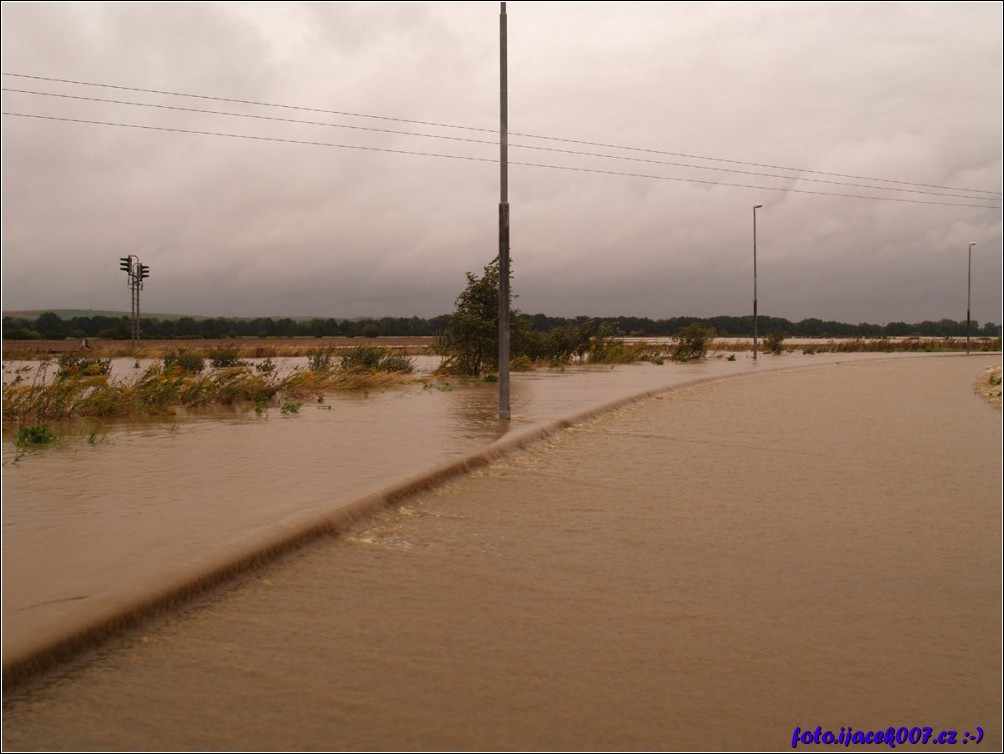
(238, 227)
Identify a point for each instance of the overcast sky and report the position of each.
(907, 92)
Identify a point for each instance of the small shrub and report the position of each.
(34, 434)
(521, 364)
(774, 342)
(692, 342)
(225, 357)
(396, 363)
(374, 359)
(320, 358)
(75, 365)
(188, 361)
(290, 408)
(266, 367)
(362, 357)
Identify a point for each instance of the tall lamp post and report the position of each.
(969, 290)
(755, 208)
(503, 218)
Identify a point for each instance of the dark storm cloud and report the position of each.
(238, 227)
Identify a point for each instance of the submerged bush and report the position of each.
(693, 341)
(774, 342)
(362, 357)
(34, 434)
(189, 361)
(320, 358)
(225, 357)
(374, 359)
(75, 365)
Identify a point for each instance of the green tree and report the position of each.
(693, 341)
(471, 337)
(51, 325)
(774, 342)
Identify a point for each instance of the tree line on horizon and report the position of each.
(50, 326)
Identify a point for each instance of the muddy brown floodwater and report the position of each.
(706, 569)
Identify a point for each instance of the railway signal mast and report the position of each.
(136, 273)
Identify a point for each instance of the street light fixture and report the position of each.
(755, 208)
(969, 290)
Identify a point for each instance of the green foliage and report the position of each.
(374, 358)
(362, 357)
(290, 407)
(266, 367)
(160, 388)
(603, 350)
(188, 361)
(74, 365)
(61, 323)
(371, 330)
(774, 342)
(225, 357)
(396, 363)
(33, 435)
(320, 358)
(470, 339)
(521, 364)
(693, 341)
(558, 345)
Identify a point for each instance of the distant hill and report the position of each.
(71, 313)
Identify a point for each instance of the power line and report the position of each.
(488, 130)
(556, 150)
(490, 160)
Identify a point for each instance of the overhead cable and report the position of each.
(556, 150)
(489, 130)
(489, 160)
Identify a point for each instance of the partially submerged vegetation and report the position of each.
(470, 340)
(989, 386)
(82, 387)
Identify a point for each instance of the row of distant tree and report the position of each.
(52, 326)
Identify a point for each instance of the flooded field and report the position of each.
(708, 570)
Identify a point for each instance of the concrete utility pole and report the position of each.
(503, 221)
(969, 292)
(759, 206)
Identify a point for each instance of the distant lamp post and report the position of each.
(969, 291)
(755, 208)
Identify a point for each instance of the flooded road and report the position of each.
(90, 529)
(679, 574)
